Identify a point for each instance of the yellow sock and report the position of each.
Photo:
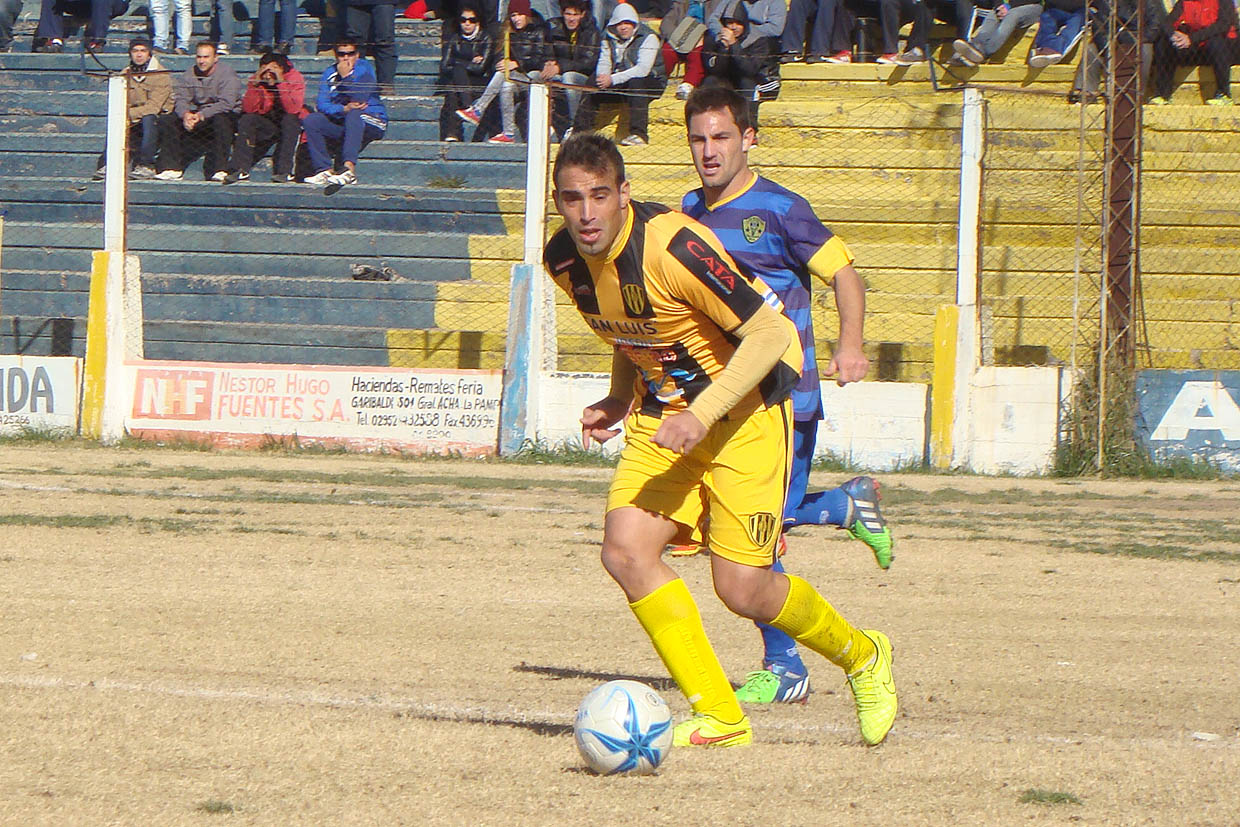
(811, 620)
(671, 618)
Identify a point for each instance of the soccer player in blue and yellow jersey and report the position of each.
(774, 235)
(702, 368)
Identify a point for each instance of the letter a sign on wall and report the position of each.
(1191, 413)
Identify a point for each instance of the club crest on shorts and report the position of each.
(635, 301)
(762, 528)
(753, 227)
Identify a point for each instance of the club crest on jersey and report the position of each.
(753, 227)
(762, 528)
(635, 301)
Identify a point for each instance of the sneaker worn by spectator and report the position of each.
(683, 91)
(1220, 100)
(170, 175)
(887, 58)
(54, 46)
(320, 179)
(843, 56)
(1043, 57)
(911, 57)
(142, 173)
(343, 179)
(502, 138)
(235, 177)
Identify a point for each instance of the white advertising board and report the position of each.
(39, 393)
(364, 408)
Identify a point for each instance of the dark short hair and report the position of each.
(214, 46)
(275, 57)
(716, 96)
(579, 5)
(589, 151)
(348, 41)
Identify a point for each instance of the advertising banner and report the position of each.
(39, 393)
(1191, 413)
(364, 408)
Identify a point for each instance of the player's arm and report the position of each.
(849, 362)
(832, 264)
(597, 419)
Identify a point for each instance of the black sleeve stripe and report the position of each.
(710, 268)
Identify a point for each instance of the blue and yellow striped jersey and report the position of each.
(773, 234)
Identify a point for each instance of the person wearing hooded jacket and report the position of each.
(148, 95)
(1197, 33)
(629, 69)
(523, 51)
(743, 58)
(467, 61)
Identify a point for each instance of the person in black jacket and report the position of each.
(526, 52)
(743, 58)
(466, 63)
(574, 54)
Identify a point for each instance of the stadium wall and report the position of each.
(884, 426)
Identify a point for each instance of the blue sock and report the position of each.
(778, 647)
(820, 508)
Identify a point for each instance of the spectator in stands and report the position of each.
(683, 31)
(271, 111)
(766, 18)
(264, 37)
(224, 25)
(1089, 73)
(892, 15)
(1059, 28)
(49, 36)
(998, 27)
(628, 70)
(1197, 33)
(149, 95)
(9, 11)
(467, 59)
(528, 53)
(350, 115)
(830, 25)
(575, 42)
(743, 58)
(206, 100)
(373, 22)
(464, 67)
(161, 23)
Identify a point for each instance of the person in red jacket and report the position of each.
(271, 112)
(1197, 33)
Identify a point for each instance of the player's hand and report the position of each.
(597, 419)
(680, 433)
(849, 364)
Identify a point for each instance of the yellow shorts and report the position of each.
(737, 477)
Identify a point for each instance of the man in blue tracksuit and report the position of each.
(350, 114)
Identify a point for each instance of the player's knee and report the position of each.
(621, 559)
(746, 591)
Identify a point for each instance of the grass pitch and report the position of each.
(200, 638)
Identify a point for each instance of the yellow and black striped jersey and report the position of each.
(668, 297)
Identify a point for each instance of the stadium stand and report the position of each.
(261, 272)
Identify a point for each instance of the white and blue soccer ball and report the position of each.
(623, 727)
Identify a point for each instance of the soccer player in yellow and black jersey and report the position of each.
(702, 370)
